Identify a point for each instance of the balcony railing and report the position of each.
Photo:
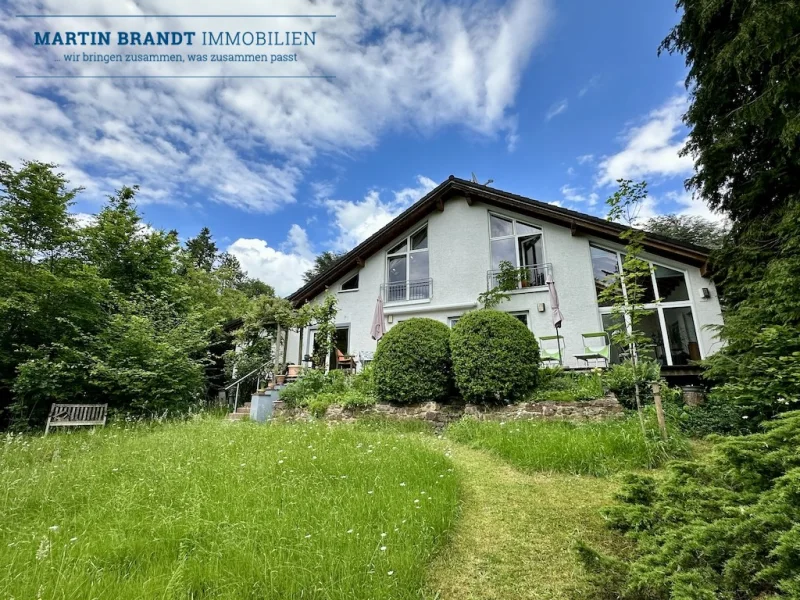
(406, 291)
(528, 276)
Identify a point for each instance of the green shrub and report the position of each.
(619, 379)
(317, 405)
(355, 399)
(559, 386)
(412, 363)
(313, 382)
(364, 381)
(495, 357)
(724, 527)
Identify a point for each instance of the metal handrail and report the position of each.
(256, 370)
(404, 291)
(239, 381)
(538, 275)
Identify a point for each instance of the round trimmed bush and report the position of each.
(495, 357)
(412, 363)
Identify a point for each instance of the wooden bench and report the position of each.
(76, 415)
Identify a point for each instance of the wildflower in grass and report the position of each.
(313, 458)
(383, 535)
(390, 573)
(403, 484)
(44, 549)
(73, 540)
(370, 492)
(416, 501)
(280, 462)
(349, 531)
(383, 548)
(308, 536)
(54, 528)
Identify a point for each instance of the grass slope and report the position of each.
(219, 510)
(516, 534)
(580, 448)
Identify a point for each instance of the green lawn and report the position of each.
(581, 448)
(214, 509)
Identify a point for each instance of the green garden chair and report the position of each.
(551, 349)
(596, 347)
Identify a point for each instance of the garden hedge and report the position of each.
(412, 363)
(495, 357)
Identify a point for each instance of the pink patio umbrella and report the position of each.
(557, 316)
(377, 330)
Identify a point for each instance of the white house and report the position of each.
(437, 257)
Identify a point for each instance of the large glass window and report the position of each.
(670, 325)
(519, 244)
(408, 269)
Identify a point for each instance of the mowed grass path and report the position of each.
(214, 509)
(516, 535)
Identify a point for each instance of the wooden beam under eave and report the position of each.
(470, 200)
(706, 270)
(360, 262)
(573, 228)
(440, 205)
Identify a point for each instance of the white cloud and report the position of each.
(693, 207)
(573, 194)
(570, 171)
(589, 85)
(556, 109)
(651, 149)
(282, 269)
(356, 221)
(585, 158)
(250, 142)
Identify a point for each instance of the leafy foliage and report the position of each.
(412, 363)
(687, 228)
(621, 380)
(507, 279)
(113, 312)
(495, 357)
(555, 384)
(744, 69)
(318, 390)
(726, 527)
(322, 263)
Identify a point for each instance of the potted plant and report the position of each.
(294, 370)
(280, 376)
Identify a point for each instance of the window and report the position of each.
(341, 342)
(521, 245)
(670, 326)
(351, 284)
(521, 316)
(408, 270)
(452, 321)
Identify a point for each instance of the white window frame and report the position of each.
(407, 253)
(356, 274)
(518, 313)
(515, 236)
(657, 306)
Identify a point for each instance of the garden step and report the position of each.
(238, 416)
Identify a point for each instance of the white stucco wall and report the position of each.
(460, 256)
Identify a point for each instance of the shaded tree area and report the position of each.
(684, 228)
(113, 312)
(322, 263)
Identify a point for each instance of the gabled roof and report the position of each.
(578, 223)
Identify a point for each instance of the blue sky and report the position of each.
(552, 100)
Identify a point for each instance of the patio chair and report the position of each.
(551, 349)
(596, 347)
(345, 362)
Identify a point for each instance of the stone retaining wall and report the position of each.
(446, 413)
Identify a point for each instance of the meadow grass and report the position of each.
(212, 509)
(582, 448)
